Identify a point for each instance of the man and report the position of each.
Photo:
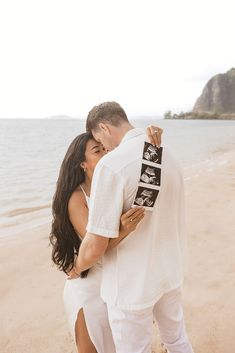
(143, 274)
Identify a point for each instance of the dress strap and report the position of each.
(82, 190)
(86, 197)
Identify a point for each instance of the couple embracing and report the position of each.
(118, 231)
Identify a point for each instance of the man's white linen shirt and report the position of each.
(150, 261)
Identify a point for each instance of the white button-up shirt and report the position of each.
(150, 261)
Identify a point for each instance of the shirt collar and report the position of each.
(131, 134)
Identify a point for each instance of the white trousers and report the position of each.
(132, 330)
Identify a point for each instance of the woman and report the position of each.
(86, 311)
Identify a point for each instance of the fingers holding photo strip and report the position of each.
(155, 135)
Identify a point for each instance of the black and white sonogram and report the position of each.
(150, 175)
(152, 153)
(145, 197)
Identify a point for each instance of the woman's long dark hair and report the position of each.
(63, 237)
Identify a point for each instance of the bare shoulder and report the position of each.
(78, 212)
(77, 200)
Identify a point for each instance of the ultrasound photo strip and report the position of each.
(152, 153)
(145, 197)
(150, 177)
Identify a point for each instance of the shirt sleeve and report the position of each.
(106, 203)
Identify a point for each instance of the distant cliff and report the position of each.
(217, 100)
(218, 96)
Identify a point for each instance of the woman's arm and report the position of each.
(78, 214)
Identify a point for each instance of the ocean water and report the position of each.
(31, 152)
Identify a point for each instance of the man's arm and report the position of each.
(91, 250)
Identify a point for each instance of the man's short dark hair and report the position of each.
(107, 112)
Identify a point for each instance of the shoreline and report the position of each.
(41, 215)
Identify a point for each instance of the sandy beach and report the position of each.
(31, 307)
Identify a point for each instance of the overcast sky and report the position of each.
(63, 57)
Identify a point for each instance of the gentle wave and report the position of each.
(20, 211)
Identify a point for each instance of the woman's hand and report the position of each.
(131, 219)
(72, 274)
(155, 135)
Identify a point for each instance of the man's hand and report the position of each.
(155, 135)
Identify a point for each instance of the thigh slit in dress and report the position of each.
(84, 293)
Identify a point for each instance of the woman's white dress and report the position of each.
(84, 293)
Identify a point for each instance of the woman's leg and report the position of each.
(83, 341)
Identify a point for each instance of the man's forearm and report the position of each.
(91, 250)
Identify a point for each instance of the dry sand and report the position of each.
(32, 319)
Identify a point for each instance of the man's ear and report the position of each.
(104, 127)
